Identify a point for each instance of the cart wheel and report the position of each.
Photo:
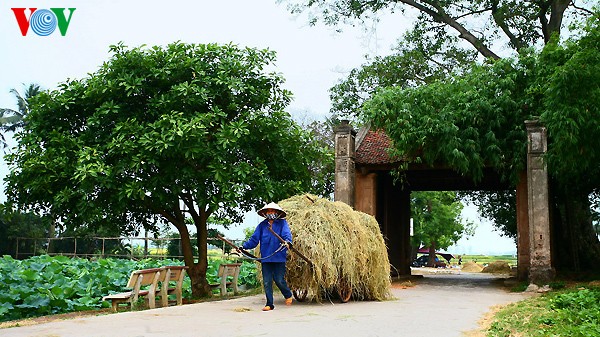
(300, 294)
(344, 291)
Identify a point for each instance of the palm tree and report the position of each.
(12, 120)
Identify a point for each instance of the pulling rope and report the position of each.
(252, 257)
(249, 255)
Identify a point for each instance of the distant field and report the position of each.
(485, 259)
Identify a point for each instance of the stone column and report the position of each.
(540, 268)
(523, 251)
(344, 163)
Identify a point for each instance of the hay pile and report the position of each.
(345, 246)
(471, 267)
(497, 267)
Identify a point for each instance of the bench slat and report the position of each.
(151, 277)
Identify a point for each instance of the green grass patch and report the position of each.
(571, 312)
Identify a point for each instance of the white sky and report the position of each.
(311, 59)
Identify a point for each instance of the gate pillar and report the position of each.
(540, 266)
(344, 163)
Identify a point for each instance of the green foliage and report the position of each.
(436, 219)
(487, 259)
(45, 285)
(568, 313)
(203, 120)
(568, 89)
(323, 170)
(468, 123)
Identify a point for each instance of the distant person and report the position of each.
(272, 251)
(459, 260)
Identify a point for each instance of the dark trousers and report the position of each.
(274, 271)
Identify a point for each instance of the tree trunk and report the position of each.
(195, 271)
(557, 11)
(202, 287)
(431, 260)
(51, 234)
(576, 246)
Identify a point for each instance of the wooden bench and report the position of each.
(151, 277)
(176, 274)
(226, 270)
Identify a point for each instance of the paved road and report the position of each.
(456, 302)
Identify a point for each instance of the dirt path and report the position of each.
(439, 305)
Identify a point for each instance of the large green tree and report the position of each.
(161, 134)
(474, 121)
(431, 50)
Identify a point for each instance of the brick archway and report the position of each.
(363, 181)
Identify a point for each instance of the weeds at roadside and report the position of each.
(572, 312)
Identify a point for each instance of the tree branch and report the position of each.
(544, 5)
(499, 19)
(585, 10)
(439, 15)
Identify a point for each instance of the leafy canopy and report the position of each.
(157, 133)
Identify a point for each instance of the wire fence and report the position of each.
(119, 247)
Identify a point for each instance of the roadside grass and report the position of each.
(570, 312)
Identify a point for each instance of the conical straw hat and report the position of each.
(274, 206)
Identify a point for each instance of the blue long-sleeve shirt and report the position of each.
(268, 242)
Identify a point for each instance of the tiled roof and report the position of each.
(373, 148)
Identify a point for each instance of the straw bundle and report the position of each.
(497, 267)
(471, 267)
(345, 246)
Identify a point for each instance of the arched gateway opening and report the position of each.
(363, 181)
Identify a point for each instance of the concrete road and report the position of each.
(455, 302)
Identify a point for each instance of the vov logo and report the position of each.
(43, 22)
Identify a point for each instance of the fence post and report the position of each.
(75, 250)
(102, 247)
(17, 250)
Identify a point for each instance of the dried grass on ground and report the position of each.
(497, 267)
(346, 247)
(472, 267)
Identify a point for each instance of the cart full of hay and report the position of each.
(343, 253)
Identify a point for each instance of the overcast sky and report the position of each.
(311, 59)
